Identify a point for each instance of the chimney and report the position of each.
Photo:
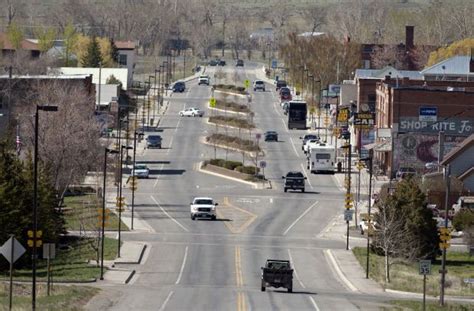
(409, 37)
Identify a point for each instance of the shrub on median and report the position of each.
(234, 166)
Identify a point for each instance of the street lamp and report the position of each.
(149, 82)
(107, 151)
(370, 159)
(446, 173)
(35, 198)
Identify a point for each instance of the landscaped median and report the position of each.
(404, 275)
(233, 142)
(230, 88)
(231, 106)
(231, 122)
(233, 169)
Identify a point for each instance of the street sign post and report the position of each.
(49, 252)
(425, 268)
(12, 250)
(348, 214)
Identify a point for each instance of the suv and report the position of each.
(179, 87)
(240, 63)
(404, 172)
(221, 62)
(280, 84)
(294, 180)
(203, 80)
(258, 85)
(285, 93)
(153, 141)
(203, 207)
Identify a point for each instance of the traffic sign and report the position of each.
(49, 251)
(246, 83)
(258, 135)
(212, 102)
(12, 250)
(274, 63)
(348, 214)
(263, 164)
(425, 267)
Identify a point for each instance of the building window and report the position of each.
(123, 59)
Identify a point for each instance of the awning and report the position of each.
(381, 146)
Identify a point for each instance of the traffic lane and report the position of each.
(208, 280)
(253, 259)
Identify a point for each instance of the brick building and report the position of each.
(413, 113)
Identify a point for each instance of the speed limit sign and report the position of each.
(425, 267)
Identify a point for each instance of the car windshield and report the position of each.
(281, 83)
(308, 137)
(203, 202)
(154, 137)
(258, 82)
(294, 175)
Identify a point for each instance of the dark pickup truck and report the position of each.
(294, 181)
(277, 273)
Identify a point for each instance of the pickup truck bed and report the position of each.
(277, 273)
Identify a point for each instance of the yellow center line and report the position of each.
(239, 280)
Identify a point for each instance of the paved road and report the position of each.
(215, 265)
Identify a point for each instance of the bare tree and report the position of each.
(315, 16)
(389, 55)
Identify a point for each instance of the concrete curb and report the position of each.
(338, 270)
(142, 251)
(130, 276)
(420, 295)
(253, 184)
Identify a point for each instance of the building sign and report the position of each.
(459, 127)
(364, 120)
(429, 114)
(334, 88)
(343, 115)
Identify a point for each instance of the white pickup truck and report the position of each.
(203, 80)
(203, 207)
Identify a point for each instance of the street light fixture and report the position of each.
(35, 198)
(107, 151)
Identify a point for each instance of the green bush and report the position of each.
(463, 219)
(217, 162)
(247, 169)
(240, 89)
(231, 165)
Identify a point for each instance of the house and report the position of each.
(26, 44)
(457, 68)
(127, 57)
(461, 162)
(99, 75)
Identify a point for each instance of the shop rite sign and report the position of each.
(364, 120)
(462, 127)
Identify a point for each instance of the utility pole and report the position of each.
(447, 172)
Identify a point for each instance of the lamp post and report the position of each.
(149, 82)
(107, 151)
(370, 159)
(162, 82)
(35, 199)
(165, 77)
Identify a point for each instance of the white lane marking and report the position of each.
(163, 306)
(306, 173)
(294, 147)
(182, 265)
(271, 200)
(169, 216)
(172, 137)
(294, 269)
(284, 125)
(332, 260)
(314, 303)
(301, 216)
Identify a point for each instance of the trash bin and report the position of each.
(339, 167)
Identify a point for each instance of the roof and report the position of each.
(125, 45)
(457, 65)
(466, 174)
(466, 143)
(311, 34)
(388, 71)
(59, 77)
(26, 44)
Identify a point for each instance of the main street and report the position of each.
(215, 265)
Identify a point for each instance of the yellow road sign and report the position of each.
(246, 83)
(212, 102)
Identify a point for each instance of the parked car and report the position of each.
(294, 180)
(203, 207)
(277, 273)
(141, 171)
(191, 112)
(213, 62)
(239, 63)
(404, 172)
(179, 86)
(285, 93)
(307, 137)
(258, 85)
(153, 141)
(221, 62)
(270, 136)
(280, 84)
(203, 80)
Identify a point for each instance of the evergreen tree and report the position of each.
(92, 58)
(114, 54)
(420, 235)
